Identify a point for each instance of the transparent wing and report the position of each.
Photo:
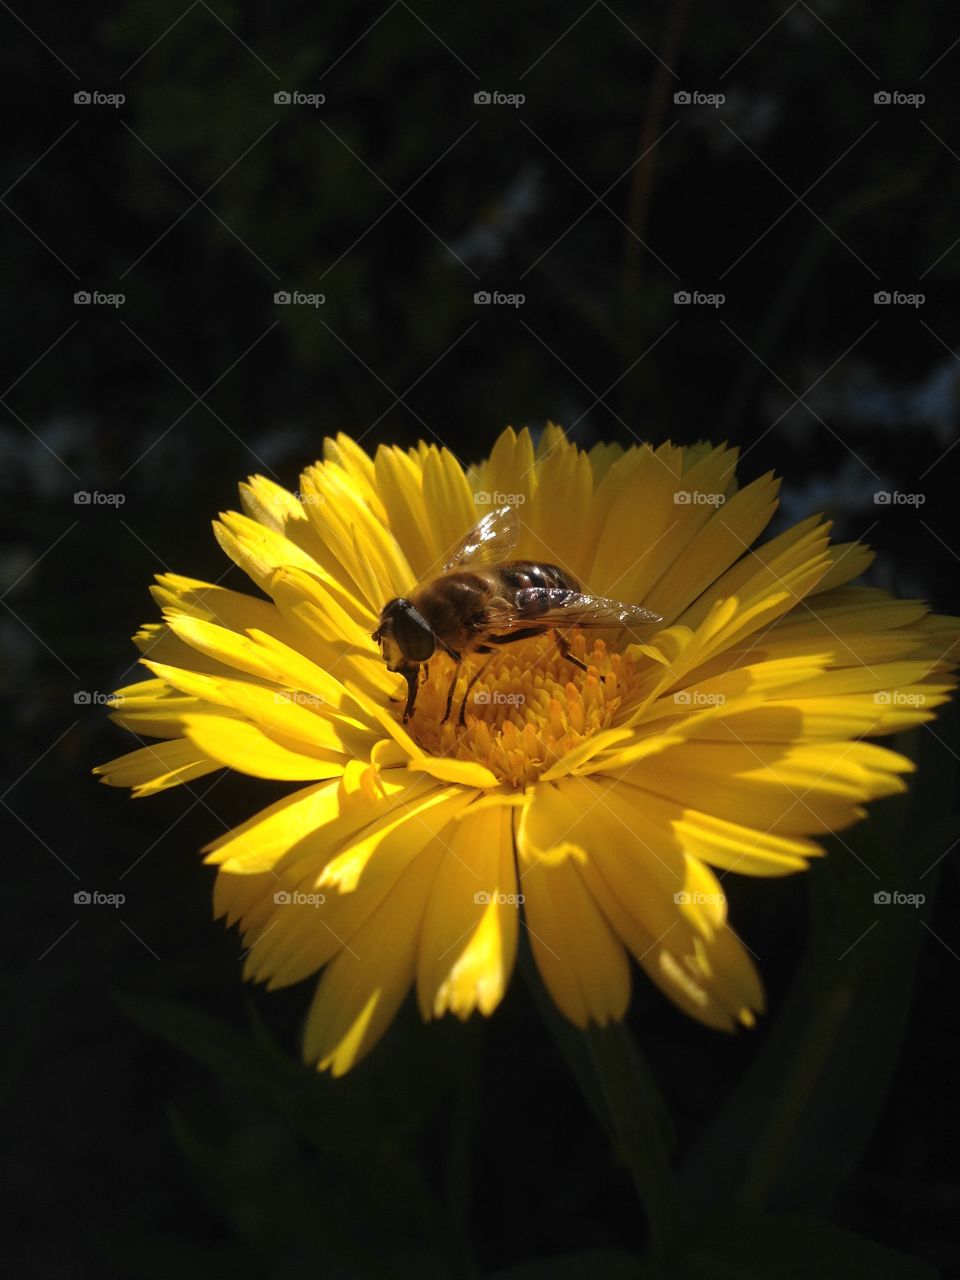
(489, 541)
(558, 607)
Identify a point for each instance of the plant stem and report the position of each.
(623, 1094)
(637, 1121)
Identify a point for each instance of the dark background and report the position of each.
(152, 1139)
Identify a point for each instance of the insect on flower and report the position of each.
(481, 600)
(600, 786)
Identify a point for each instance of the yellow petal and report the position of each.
(242, 746)
(362, 988)
(394, 834)
(358, 471)
(448, 499)
(582, 964)
(362, 555)
(730, 529)
(847, 561)
(730, 845)
(153, 709)
(556, 522)
(351, 867)
(258, 844)
(711, 979)
(791, 789)
(258, 550)
(465, 772)
(510, 470)
(157, 766)
(469, 938)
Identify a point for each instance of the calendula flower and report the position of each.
(599, 808)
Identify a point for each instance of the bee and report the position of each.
(482, 600)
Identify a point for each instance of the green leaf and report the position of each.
(575, 1049)
(740, 1245)
(291, 1209)
(147, 1254)
(622, 1092)
(364, 1119)
(598, 1264)
(809, 1103)
(305, 1099)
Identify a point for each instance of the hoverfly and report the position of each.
(482, 600)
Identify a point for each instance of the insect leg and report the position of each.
(470, 683)
(563, 644)
(412, 677)
(453, 685)
(513, 636)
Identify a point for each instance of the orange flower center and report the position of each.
(527, 708)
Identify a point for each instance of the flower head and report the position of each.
(597, 797)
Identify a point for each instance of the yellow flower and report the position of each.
(593, 808)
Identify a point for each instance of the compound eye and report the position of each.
(412, 633)
(387, 615)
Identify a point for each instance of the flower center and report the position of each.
(529, 707)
